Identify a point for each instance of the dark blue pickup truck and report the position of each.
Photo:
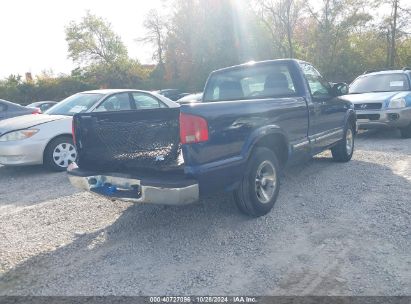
(253, 120)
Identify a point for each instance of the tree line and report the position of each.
(191, 38)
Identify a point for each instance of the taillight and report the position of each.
(36, 111)
(193, 129)
(73, 128)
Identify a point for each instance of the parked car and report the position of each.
(47, 138)
(43, 106)
(254, 119)
(9, 109)
(172, 94)
(192, 98)
(383, 99)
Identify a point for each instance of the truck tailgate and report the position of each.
(127, 140)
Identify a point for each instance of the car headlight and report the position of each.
(397, 103)
(18, 135)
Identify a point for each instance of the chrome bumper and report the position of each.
(397, 118)
(134, 189)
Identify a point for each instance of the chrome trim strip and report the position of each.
(325, 135)
(301, 144)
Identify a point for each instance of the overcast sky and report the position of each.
(32, 31)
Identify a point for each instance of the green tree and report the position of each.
(156, 33)
(123, 74)
(43, 87)
(204, 36)
(101, 55)
(333, 22)
(92, 41)
(395, 26)
(280, 17)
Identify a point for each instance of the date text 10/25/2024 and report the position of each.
(203, 299)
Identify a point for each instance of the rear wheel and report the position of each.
(406, 131)
(60, 153)
(259, 188)
(344, 150)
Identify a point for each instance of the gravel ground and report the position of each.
(337, 229)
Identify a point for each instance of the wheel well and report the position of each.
(54, 138)
(351, 121)
(276, 143)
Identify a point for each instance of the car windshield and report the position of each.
(380, 83)
(77, 103)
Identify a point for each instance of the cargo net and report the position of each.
(128, 145)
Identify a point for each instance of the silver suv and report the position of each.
(383, 99)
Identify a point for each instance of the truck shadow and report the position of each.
(198, 248)
(380, 134)
(18, 171)
(383, 140)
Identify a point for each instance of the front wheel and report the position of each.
(259, 188)
(60, 153)
(406, 131)
(344, 150)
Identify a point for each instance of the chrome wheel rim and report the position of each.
(349, 141)
(64, 154)
(265, 182)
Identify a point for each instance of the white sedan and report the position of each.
(47, 138)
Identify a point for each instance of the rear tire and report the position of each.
(260, 186)
(344, 150)
(406, 131)
(59, 153)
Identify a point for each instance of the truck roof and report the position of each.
(257, 63)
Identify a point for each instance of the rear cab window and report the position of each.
(245, 83)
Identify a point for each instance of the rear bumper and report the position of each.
(137, 189)
(397, 118)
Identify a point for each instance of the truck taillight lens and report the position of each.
(193, 129)
(73, 128)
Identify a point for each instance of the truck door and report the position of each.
(327, 111)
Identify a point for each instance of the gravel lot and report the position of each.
(337, 229)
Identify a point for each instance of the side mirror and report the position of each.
(340, 88)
